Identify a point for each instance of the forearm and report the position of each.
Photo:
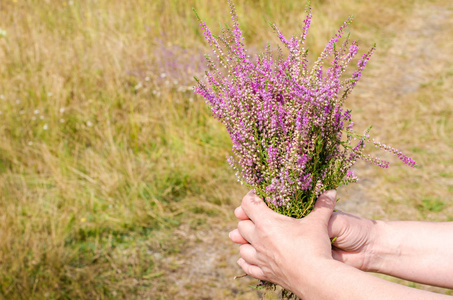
(416, 251)
(338, 281)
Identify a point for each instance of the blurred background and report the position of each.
(113, 177)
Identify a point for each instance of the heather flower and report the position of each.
(292, 137)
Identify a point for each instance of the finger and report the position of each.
(324, 206)
(337, 255)
(254, 207)
(246, 229)
(352, 259)
(248, 253)
(240, 214)
(337, 224)
(251, 270)
(236, 237)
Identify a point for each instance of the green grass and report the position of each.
(106, 154)
(433, 205)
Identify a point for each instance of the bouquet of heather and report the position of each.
(292, 138)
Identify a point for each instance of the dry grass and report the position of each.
(112, 171)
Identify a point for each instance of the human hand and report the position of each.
(355, 239)
(281, 249)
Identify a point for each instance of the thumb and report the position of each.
(254, 207)
(324, 206)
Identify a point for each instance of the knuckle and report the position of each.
(263, 225)
(242, 250)
(245, 199)
(262, 275)
(241, 226)
(259, 226)
(247, 269)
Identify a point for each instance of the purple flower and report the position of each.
(292, 138)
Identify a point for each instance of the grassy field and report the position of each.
(113, 178)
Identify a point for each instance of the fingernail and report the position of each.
(251, 193)
(229, 234)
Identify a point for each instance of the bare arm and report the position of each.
(416, 251)
(338, 281)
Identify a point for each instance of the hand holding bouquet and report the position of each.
(292, 138)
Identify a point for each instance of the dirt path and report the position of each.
(418, 51)
(204, 269)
